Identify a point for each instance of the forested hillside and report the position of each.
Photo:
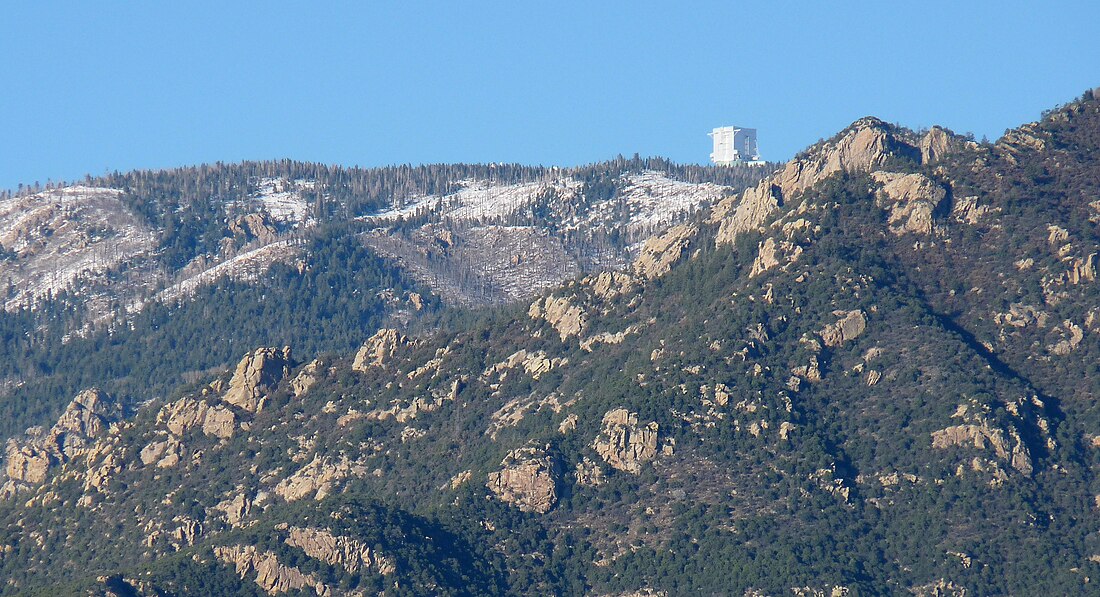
(872, 372)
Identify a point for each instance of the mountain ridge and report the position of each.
(846, 379)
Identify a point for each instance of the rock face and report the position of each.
(315, 479)
(660, 252)
(257, 374)
(306, 378)
(528, 480)
(849, 326)
(911, 200)
(345, 552)
(254, 226)
(772, 254)
(164, 454)
(865, 146)
(623, 443)
(27, 464)
(235, 509)
(936, 144)
(565, 317)
(185, 414)
(270, 575)
(611, 285)
(378, 349)
(534, 364)
(753, 209)
(86, 418)
(985, 435)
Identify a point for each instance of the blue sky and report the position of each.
(91, 87)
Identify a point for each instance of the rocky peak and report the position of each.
(865, 146)
(257, 375)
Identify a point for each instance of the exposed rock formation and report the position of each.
(590, 342)
(378, 349)
(772, 254)
(660, 252)
(27, 464)
(748, 213)
(588, 472)
(611, 285)
(623, 443)
(911, 200)
(270, 575)
(185, 414)
(257, 375)
(164, 454)
(349, 554)
(316, 479)
(979, 433)
(84, 419)
(534, 364)
(936, 144)
(528, 480)
(866, 145)
(848, 327)
(306, 378)
(1071, 337)
(235, 509)
(562, 315)
(254, 226)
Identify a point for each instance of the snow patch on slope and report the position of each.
(281, 199)
(246, 266)
(57, 238)
(480, 200)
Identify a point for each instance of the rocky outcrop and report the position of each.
(623, 443)
(306, 378)
(588, 472)
(1082, 269)
(936, 144)
(660, 252)
(979, 432)
(749, 212)
(72, 436)
(611, 285)
(850, 325)
(164, 454)
(534, 364)
(911, 200)
(345, 552)
(186, 414)
(27, 463)
(316, 479)
(378, 349)
(528, 480)
(255, 226)
(267, 572)
(235, 509)
(771, 254)
(863, 147)
(1071, 336)
(256, 376)
(565, 317)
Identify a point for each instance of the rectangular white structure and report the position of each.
(733, 145)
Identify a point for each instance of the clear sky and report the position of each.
(96, 86)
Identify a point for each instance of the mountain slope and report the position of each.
(848, 378)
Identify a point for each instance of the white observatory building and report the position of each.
(734, 145)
